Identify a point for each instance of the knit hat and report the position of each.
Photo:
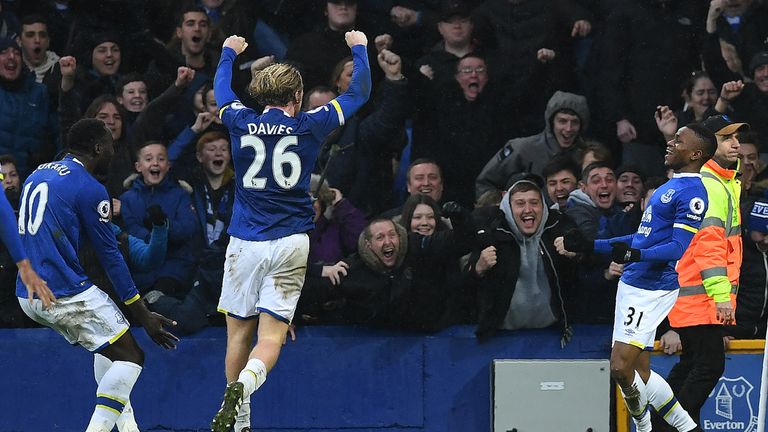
(758, 60)
(631, 168)
(8, 43)
(758, 217)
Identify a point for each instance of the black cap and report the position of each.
(7, 42)
(758, 60)
(632, 168)
(722, 125)
(455, 8)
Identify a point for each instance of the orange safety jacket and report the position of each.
(708, 271)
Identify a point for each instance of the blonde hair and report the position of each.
(276, 85)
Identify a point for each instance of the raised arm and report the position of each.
(359, 89)
(222, 82)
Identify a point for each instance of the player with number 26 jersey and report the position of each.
(274, 154)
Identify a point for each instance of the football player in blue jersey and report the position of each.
(273, 154)
(649, 285)
(35, 286)
(63, 205)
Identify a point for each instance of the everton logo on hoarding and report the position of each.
(733, 409)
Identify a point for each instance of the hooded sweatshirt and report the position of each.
(51, 60)
(530, 306)
(531, 154)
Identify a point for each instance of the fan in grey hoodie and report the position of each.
(566, 117)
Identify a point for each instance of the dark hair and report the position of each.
(367, 230)
(561, 162)
(33, 18)
(410, 207)
(593, 166)
(654, 182)
(472, 54)
(139, 147)
(313, 90)
(707, 139)
(601, 151)
(423, 161)
(524, 186)
(127, 79)
(750, 137)
(336, 72)
(7, 158)
(693, 79)
(187, 8)
(100, 101)
(85, 134)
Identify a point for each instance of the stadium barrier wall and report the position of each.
(331, 379)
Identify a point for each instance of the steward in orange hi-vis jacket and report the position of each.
(708, 271)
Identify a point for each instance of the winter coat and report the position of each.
(183, 230)
(496, 288)
(27, 127)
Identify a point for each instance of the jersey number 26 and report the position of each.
(280, 156)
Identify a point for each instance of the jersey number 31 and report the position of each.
(280, 157)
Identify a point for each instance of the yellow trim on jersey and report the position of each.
(108, 409)
(671, 409)
(685, 227)
(132, 299)
(637, 344)
(118, 336)
(222, 110)
(336, 105)
(112, 397)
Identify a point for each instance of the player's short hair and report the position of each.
(209, 137)
(707, 139)
(85, 134)
(561, 162)
(423, 161)
(276, 85)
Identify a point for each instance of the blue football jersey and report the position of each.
(274, 153)
(62, 205)
(673, 215)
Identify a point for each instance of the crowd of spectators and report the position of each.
(507, 123)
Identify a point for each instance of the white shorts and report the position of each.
(638, 313)
(264, 276)
(90, 319)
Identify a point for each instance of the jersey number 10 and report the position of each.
(28, 222)
(280, 157)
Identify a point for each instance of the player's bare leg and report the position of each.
(114, 389)
(624, 359)
(263, 357)
(239, 343)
